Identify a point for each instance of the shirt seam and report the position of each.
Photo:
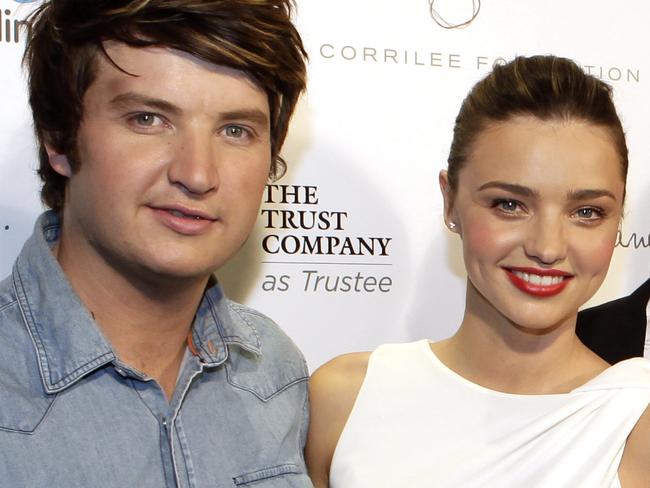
(256, 394)
(8, 305)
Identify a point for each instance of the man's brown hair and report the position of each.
(254, 36)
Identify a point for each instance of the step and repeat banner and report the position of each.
(350, 249)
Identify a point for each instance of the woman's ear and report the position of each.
(58, 161)
(448, 198)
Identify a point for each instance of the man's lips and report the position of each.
(538, 282)
(181, 211)
(184, 220)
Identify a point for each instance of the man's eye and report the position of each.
(146, 120)
(235, 131)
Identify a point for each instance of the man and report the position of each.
(122, 364)
(619, 329)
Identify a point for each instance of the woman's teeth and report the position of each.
(537, 279)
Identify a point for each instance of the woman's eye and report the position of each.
(589, 213)
(507, 205)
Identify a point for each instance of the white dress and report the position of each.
(416, 423)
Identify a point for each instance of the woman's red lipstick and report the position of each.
(538, 282)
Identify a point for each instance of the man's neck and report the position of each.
(145, 321)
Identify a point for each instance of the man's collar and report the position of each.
(220, 323)
(66, 338)
(67, 341)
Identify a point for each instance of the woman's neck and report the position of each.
(492, 351)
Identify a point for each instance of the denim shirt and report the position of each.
(73, 416)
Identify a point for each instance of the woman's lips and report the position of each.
(538, 282)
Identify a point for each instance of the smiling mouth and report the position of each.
(536, 279)
(542, 283)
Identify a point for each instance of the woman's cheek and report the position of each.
(486, 236)
(595, 252)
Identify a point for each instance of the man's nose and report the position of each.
(195, 162)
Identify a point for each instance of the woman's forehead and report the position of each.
(526, 149)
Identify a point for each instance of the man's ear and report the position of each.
(58, 161)
(448, 198)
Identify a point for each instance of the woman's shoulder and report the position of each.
(344, 375)
(634, 373)
(333, 389)
(634, 469)
(338, 368)
(338, 381)
(631, 373)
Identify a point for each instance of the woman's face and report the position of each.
(537, 207)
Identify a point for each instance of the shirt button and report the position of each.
(164, 422)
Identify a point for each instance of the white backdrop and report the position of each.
(386, 80)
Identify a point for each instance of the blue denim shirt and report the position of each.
(73, 416)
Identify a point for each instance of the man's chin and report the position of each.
(170, 276)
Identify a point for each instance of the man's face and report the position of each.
(172, 165)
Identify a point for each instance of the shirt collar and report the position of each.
(66, 338)
(220, 322)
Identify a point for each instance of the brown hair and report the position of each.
(546, 87)
(254, 36)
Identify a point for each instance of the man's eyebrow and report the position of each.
(589, 194)
(129, 98)
(253, 115)
(524, 191)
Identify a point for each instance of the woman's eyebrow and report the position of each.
(589, 194)
(524, 191)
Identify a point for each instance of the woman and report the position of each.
(534, 189)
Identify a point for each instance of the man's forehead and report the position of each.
(138, 61)
(162, 72)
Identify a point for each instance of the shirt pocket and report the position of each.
(268, 375)
(22, 413)
(283, 475)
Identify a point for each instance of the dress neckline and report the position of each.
(612, 377)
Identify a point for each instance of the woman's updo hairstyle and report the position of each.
(546, 87)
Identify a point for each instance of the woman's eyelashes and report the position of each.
(590, 215)
(510, 207)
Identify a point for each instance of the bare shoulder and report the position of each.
(342, 375)
(634, 470)
(333, 389)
